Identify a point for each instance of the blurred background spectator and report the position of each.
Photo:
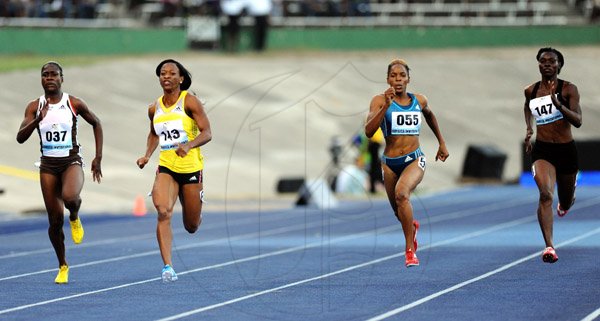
(259, 10)
(230, 17)
(369, 158)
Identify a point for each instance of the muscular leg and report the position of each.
(189, 196)
(566, 190)
(389, 182)
(51, 187)
(545, 178)
(164, 195)
(399, 191)
(72, 179)
(409, 179)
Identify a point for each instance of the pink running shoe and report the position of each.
(415, 243)
(411, 259)
(560, 212)
(549, 255)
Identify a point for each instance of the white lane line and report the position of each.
(449, 216)
(351, 268)
(253, 235)
(81, 246)
(452, 240)
(478, 210)
(139, 237)
(592, 316)
(475, 279)
(289, 250)
(22, 307)
(255, 257)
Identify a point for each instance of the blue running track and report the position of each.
(480, 252)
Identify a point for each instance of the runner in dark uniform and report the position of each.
(554, 105)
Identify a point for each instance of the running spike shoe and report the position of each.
(77, 231)
(411, 259)
(168, 274)
(549, 255)
(63, 275)
(560, 212)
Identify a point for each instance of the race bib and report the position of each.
(171, 134)
(406, 123)
(56, 139)
(544, 110)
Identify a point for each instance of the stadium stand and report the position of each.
(306, 13)
(431, 12)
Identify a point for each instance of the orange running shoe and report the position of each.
(549, 255)
(411, 259)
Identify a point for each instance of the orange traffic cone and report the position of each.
(139, 207)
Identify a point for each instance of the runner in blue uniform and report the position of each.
(398, 113)
(554, 104)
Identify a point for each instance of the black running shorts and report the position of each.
(563, 156)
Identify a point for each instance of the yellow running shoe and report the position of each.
(76, 231)
(63, 275)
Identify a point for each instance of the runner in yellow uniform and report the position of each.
(179, 125)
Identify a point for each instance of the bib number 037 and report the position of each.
(57, 136)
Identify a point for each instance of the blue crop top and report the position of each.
(402, 120)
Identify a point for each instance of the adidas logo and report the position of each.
(408, 159)
(193, 178)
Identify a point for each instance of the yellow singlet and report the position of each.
(174, 127)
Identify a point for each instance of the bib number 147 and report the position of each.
(542, 110)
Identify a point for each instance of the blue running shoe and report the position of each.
(168, 274)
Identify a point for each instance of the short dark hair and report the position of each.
(561, 59)
(53, 63)
(187, 76)
(398, 62)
